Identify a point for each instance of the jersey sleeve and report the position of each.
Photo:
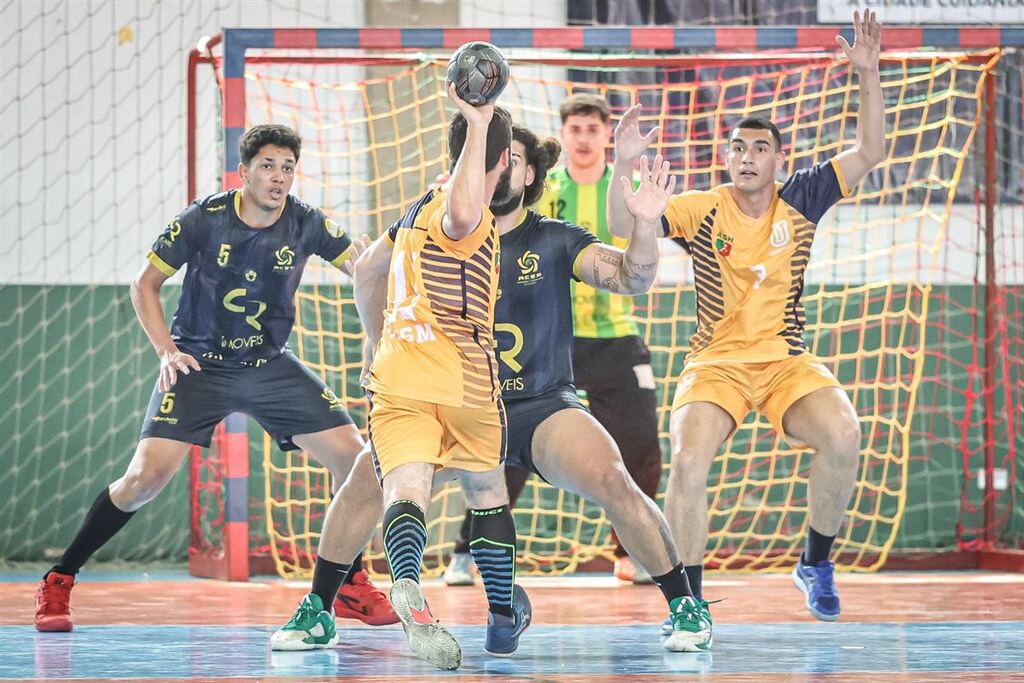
(684, 214)
(575, 240)
(814, 190)
(331, 242)
(433, 218)
(176, 244)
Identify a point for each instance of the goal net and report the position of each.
(895, 306)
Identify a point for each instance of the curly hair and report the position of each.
(541, 154)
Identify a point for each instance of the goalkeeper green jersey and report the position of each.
(596, 314)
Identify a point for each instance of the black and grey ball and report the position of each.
(479, 72)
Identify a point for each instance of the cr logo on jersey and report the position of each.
(285, 259)
(723, 243)
(529, 264)
(780, 234)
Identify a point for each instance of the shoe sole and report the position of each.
(518, 594)
(64, 626)
(300, 646)
(681, 641)
(459, 582)
(807, 601)
(430, 642)
(344, 612)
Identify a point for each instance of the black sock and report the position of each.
(818, 547)
(405, 536)
(674, 584)
(695, 575)
(327, 579)
(462, 542)
(357, 566)
(493, 544)
(103, 520)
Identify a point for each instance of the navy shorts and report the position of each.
(523, 416)
(283, 395)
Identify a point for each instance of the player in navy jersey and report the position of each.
(227, 351)
(550, 432)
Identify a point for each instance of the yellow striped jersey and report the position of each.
(749, 272)
(438, 342)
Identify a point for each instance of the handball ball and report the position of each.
(479, 72)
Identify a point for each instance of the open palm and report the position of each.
(629, 143)
(867, 41)
(648, 202)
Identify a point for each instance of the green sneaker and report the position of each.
(310, 628)
(691, 626)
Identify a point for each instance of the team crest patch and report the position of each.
(285, 257)
(332, 228)
(529, 265)
(723, 243)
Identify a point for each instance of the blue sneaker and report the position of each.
(503, 632)
(817, 582)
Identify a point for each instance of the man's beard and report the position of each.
(510, 204)
(502, 190)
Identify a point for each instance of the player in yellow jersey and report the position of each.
(433, 383)
(750, 241)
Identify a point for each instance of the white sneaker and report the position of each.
(429, 640)
(460, 570)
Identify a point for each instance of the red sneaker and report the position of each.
(53, 598)
(363, 601)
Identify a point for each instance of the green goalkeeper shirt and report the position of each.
(596, 314)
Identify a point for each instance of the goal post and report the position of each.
(890, 291)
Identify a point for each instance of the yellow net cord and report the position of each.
(375, 140)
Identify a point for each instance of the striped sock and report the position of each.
(405, 536)
(493, 545)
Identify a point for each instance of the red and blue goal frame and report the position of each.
(229, 558)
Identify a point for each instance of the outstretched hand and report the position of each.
(867, 41)
(355, 250)
(629, 143)
(648, 202)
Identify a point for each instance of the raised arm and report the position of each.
(145, 294)
(629, 145)
(633, 270)
(870, 149)
(465, 201)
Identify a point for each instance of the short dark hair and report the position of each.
(541, 154)
(761, 123)
(257, 137)
(499, 137)
(584, 104)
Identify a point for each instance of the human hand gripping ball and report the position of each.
(479, 72)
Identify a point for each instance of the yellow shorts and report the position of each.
(404, 430)
(737, 388)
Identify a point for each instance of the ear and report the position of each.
(780, 161)
(506, 156)
(243, 171)
(531, 173)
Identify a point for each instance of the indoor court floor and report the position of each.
(167, 626)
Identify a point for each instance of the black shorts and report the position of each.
(523, 416)
(283, 395)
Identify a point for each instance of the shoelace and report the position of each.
(824, 579)
(304, 612)
(55, 599)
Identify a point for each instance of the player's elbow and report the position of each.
(460, 224)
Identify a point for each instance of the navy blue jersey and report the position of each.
(238, 299)
(533, 316)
